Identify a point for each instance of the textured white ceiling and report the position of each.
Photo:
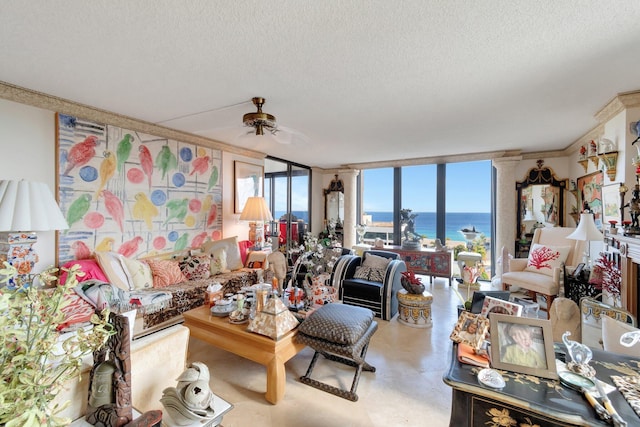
(365, 81)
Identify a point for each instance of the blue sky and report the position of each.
(468, 188)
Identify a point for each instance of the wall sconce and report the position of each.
(593, 153)
(582, 158)
(609, 156)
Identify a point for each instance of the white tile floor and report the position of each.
(406, 389)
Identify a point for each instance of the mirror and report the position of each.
(540, 201)
(334, 202)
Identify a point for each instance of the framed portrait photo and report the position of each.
(471, 329)
(522, 344)
(492, 305)
(248, 182)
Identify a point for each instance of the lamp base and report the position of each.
(256, 235)
(16, 249)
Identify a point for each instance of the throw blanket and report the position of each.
(102, 294)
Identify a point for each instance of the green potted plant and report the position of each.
(35, 361)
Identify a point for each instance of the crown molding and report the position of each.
(48, 102)
(618, 104)
(455, 158)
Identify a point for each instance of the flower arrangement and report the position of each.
(611, 280)
(411, 282)
(318, 255)
(470, 276)
(34, 361)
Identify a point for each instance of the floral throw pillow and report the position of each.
(369, 273)
(544, 258)
(196, 267)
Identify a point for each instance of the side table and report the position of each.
(415, 309)
(578, 287)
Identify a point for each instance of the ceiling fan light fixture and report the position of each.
(260, 120)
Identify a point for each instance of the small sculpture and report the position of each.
(191, 401)
(580, 356)
(410, 240)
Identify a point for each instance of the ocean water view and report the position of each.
(425, 222)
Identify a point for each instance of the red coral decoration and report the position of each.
(611, 276)
(539, 257)
(411, 277)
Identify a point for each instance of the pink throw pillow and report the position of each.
(165, 272)
(90, 268)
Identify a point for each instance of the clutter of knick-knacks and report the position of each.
(191, 400)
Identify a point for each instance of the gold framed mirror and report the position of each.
(334, 202)
(540, 200)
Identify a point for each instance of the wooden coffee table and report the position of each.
(273, 354)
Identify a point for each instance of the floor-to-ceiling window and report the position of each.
(444, 199)
(287, 190)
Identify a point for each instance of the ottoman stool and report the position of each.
(340, 333)
(415, 309)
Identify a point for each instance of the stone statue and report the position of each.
(634, 207)
(407, 223)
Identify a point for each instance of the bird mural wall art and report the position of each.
(150, 194)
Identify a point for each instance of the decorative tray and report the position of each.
(222, 310)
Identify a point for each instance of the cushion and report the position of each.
(165, 272)
(337, 323)
(370, 273)
(113, 267)
(139, 272)
(230, 244)
(544, 258)
(77, 312)
(219, 261)
(612, 330)
(196, 267)
(89, 267)
(257, 259)
(376, 261)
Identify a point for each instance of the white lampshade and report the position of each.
(29, 206)
(586, 230)
(256, 209)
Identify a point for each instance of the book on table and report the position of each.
(466, 354)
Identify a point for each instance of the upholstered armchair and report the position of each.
(371, 281)
(540, 273)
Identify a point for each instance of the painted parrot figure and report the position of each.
(166, 160)
(105, 245)
(181, 243)
(213, 178)
(204, 210)
(146, 162)
(107, 170)
(130, 247)
(78, 209)
(81, 153)
(213, 214)
(177, 209)
(80, 250)
(123, 150)
(200, 165)
(144, 209)
(115, 208)
(198, 240)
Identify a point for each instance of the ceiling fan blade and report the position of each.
(293, 136)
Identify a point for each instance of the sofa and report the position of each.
(163, 286)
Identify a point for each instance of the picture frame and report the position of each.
(248, 182)
(611, 203)
(590, 195)
(460, 331)
(477, 299)
(493, 305)
(576, 273)
(509, 334)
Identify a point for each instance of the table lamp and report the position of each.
(257, 213)
(586, 231)
(25, 207)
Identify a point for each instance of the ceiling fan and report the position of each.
(262, 121)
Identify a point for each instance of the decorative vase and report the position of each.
(412, 288)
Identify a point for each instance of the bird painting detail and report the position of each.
(124, 150)
(115, 208)
(130, 247)
(181, 243)
(80, 250)
(176, 209)
(213, 178)
(78, 208)
(166, 160)
(105, 245)
(81, 153)
(200, 165)
(107, 169)
(146, 162)
(198, 240)
(145, 210)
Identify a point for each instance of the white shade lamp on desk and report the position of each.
(257, 213)
(25, 207)
(586, 231)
